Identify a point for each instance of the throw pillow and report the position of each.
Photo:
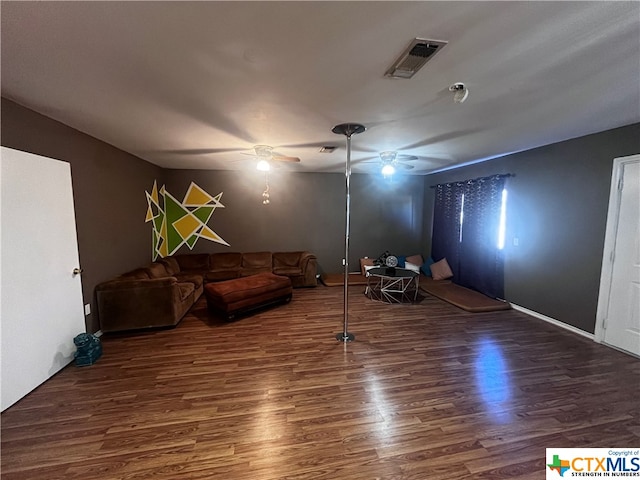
(401, 261)
(365, 262)
(426, 266)
(415, 259)
(441, 270)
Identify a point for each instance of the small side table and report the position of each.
(392, 285)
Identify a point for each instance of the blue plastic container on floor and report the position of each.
(89, 349)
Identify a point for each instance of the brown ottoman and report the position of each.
(240, 295)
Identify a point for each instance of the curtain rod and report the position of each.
(500, 175)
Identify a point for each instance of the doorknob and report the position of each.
(77, 271)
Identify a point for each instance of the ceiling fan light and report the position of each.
(263, 166)
(388, 156)
(388, 170)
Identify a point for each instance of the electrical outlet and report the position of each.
(87, 309)
(516, 241)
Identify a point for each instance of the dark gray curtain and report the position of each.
(445, 240)
(471, 249)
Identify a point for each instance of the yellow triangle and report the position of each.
(196, 196)
(209, 234)
(186, 226)
(149, 216)
(164, 248)
(154, 193)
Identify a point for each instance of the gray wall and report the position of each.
(557, 209)
(108, 191)
(307, 212)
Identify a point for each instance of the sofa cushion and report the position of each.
(194, 278)
(171, 264)
(222, 274)
(185, 289)
(286, 259)
(224, 266)
(193, 262)
(256, 260)
(287, 263)
(288, 271)
(137, 274)
(157, 270)
(225, 261)
(246, 272)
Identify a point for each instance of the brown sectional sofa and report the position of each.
(161, 293)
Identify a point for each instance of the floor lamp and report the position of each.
(347, 129)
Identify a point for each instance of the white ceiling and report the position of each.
(195, 84)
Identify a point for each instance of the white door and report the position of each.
(620, 283)
(41, 299)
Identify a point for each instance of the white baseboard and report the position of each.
(555, 322)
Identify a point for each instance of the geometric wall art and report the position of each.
(178, 223)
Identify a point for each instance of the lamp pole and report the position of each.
(347, 129)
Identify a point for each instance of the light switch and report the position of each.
(87, 309)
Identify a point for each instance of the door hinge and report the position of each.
(620, 182)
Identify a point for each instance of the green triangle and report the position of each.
(191, 241)
(154, 242)
(157, 241)
(157, 222)
(174, 212)
(203, 213)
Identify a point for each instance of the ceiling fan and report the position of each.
(266, 155)
(389, 162)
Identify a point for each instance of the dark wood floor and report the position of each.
(426, 392)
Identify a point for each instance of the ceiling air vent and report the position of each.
(327, 149)
(419, 52)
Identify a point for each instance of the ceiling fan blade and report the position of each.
(281, 158)
(366, 160)
(309, 145)
(202, 151)
(405, 166)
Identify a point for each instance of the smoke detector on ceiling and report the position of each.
(414, 57)
(460, 92)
